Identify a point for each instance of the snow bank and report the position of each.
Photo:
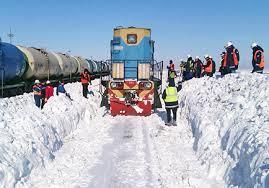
(230, 122)
(29, 136)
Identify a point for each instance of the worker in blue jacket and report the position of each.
(60, 89)
(37, 93)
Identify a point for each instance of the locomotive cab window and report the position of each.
(131, 38)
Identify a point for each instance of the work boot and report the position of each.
(168, 124)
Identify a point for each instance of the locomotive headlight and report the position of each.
(116, 85)
(113, 85)
(148, 85)
(145, 85)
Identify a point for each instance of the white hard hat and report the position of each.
(197, 57)
(47, 82)
(210, 57)
(189, 55)
(206, 56)
(229, 43)
(37, 82)
(254, 44)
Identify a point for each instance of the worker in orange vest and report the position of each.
(208, 67)
(222, 69)
(171, 65)
(231, 58)
(85, 78)
(258, 58)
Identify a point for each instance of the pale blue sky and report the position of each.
(178, 27)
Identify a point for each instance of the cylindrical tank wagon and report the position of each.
(68, 65)
(92, 66)
(37, 61)
(55, 70)
(12, 63)
(83, 64)
(20, 65)
(99, 68)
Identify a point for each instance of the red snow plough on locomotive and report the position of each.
(134, 84)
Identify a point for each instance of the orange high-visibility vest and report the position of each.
(261, 64)
(225, 60)
(234, 58)
(85, 78)
(172, 66)
(210, 67)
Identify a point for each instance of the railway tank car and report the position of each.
(83, 64)
(68, 65)
(20, 66)
(37, 62)
(12, 62)
(136, 76)
(55, 70)
(92, 66)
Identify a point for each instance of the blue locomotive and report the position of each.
(133, 86)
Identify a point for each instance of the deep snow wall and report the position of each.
(229, 117)
(29, 136)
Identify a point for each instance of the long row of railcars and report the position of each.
(20, 66)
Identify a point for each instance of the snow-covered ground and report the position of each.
(29, 137)
(230, 122)
(221, 139)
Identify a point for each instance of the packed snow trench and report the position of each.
(221, 139)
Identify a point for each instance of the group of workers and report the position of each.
(195, 68)
(43, 91)
(229, 63)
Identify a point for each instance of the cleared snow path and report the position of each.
(125, 152)
(126, 162)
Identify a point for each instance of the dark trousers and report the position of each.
(85, 90)
(171, 81)
(174, 110)
(257, 70)
(198, 74)
(187, 75)
(42, 103)
(207, 74)
(37, 100)
(225, 71)
(222, 71)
